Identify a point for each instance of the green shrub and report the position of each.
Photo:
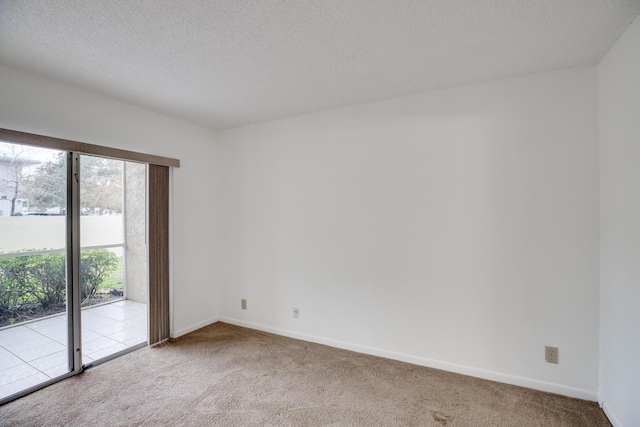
(95, 266)
(12, 289)
(39, 281)
(47, 279)
(14, 283)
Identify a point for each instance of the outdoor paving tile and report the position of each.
(138, 330)
(113, 328)
(126, 334)
(88, 314)
(109, 350)
(30, 342)
(15, 335)
(51, 360)
(135, 340)
(52, 329)
(139, 307)
(91, 316)
(96, 324)
(129, 307)
(59, 337)
(39, 351)
(56, 371)
(121, 314)
(22, 384)
(135, 307)
(126, 303)
(43, 343)
(98, 310)
(16, 373)
(93, 346)
(13, 330)
(135, 314)
(139, 321)
(4, 353)
(57, 320)
(9, 360)
(118, 315)
(88, 335)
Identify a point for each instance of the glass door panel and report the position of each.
(113, 256)
(33, 287)
(67, 295)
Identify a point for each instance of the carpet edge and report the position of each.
(423, 361)
(194, 327)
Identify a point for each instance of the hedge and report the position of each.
(39, 281)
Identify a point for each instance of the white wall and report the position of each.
(619, 86)
(456, 229)
(31, 104)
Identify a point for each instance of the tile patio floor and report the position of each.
(34, 352)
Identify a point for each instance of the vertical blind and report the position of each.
(158, 253)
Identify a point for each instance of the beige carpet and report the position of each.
(230, 376)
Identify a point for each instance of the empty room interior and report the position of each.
(446, 186)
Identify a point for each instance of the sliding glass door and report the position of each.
(73, 264)
(34, 324)
(113, 256)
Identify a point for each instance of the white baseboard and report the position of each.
(422, 361)
(609, 413)
(183, 331)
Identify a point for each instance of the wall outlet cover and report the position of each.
(551, 354)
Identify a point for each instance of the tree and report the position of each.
(46, 187)
(12, 162)
(100, 184)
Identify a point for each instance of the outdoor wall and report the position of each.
(456, 229)
(32, 104)
(135, 230)
(5, 207)
(619, 83)
(48, 232)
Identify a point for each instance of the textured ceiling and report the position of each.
(225, 63)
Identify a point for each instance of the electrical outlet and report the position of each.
(296, 313)
(551, 354)
(243, 304)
